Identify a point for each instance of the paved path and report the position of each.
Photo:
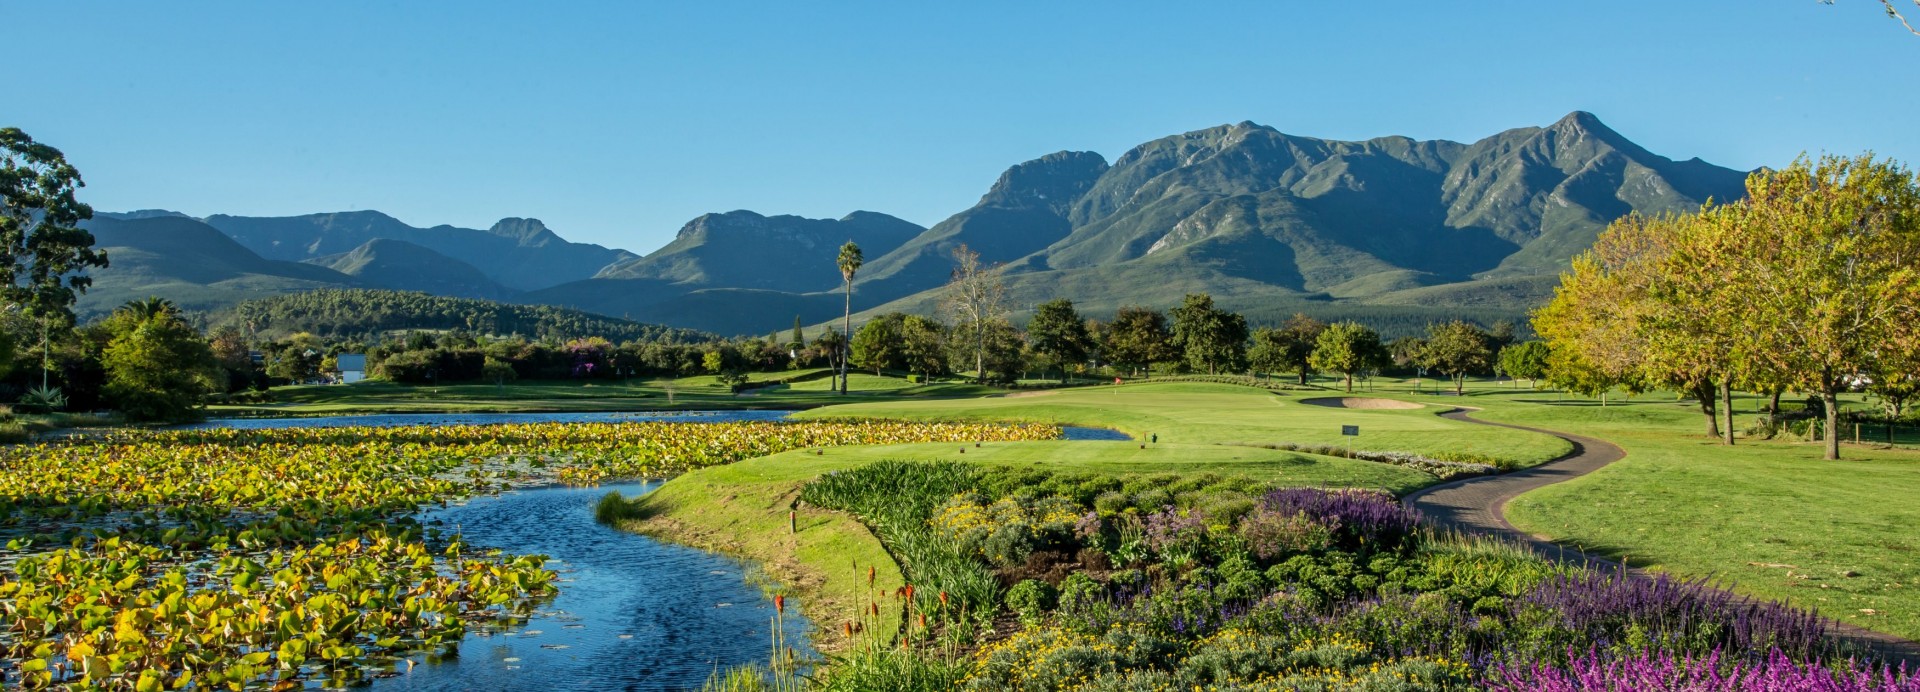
(1478, 506)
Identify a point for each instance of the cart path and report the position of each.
(1478, 506)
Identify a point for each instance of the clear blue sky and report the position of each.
(617, 122)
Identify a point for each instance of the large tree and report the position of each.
(924, 346)
(976, 302)
(879, 344)
(43, 251)
(158, 367)
(1456, 349)
(1138, 338)
(1835, 246)
(1211, 339)
(849, 263)
(1347, 348)
(1058, 335)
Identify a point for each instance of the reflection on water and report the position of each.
(633, 613)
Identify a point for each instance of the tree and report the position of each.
(831, 346)
(43, 251)
(498, 371)
(1347, 348)
(995, 347)
(726, 365)
(799, 339)
(1211, 339)
(1892, 12)
(1138, 338)
(849, 263)
(1269, 352)
(1058, 335)
(1456, 349)
(1299, 337)
(879, 344)
(1836, 245)
(976, 301)
(923, 346)
(1527, 359)
(158, 367)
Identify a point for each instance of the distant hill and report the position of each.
(522, 254)
(361, 313)
(404, 266)
(1397, 230)
(190, 263)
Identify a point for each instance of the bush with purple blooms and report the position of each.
(1363, 521)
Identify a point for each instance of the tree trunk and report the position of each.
(1460, 384)
(1726, 399)
(1703, 392)
(1774, 408)
(1830, 396)
(1349, 383)
(1303, 377)
(848, 346)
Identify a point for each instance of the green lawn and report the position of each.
(1771, 517)
(1225, 414)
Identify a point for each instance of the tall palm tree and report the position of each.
(850, 260)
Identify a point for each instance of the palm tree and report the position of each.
(150, 307)
(850, 260)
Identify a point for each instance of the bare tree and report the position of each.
(975, 299)
(1893, 12)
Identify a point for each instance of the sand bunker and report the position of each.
(1361, 402)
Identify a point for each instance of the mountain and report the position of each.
(1272, 223)
(403, 266)
(522, 254)
(726, 271)
(741, 249)
(1394, 230)
(190, 263)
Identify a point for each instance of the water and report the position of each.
(633, 613)
(685, 613)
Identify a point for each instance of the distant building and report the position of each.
(352, 367)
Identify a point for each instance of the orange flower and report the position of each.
(779, 603)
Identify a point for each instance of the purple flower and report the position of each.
(1663, 671)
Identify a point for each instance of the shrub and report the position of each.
(1031, 599)
(1271, 535)
(1364, 521)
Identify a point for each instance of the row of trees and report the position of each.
(1811, 283)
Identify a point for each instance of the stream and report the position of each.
(633, 613)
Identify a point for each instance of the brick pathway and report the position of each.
(1478, 506)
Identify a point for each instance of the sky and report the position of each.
(616, 123)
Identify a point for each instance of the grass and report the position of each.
(1217, 414)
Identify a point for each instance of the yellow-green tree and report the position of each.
(158, 367)
(1832, 249)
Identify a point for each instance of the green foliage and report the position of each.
(1456, 349)
(881, 343)
(158, 367)
(366, 312)
(1031, 599)
(44, 253)
(1348, 348)
(39, 399)
(1526, 360)
(1138, 338)
(1058, 335)
(1212, 340)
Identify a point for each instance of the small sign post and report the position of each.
(1350, 432)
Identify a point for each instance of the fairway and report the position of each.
(1193, 413)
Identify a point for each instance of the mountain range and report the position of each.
(1270, 223)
